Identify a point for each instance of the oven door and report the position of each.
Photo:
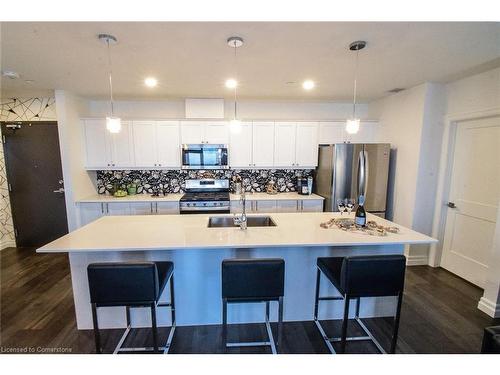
(204, 156)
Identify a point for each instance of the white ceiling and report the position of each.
(193, 59)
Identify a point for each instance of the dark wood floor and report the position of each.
(439, 315)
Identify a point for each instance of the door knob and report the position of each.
(451, 205)
(59, 191)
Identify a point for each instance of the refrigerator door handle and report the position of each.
(362, 172)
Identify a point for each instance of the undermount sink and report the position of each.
(252, 221)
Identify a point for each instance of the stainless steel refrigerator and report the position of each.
(348, 170)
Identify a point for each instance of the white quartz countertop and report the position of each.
(169, 232)
(105, 198)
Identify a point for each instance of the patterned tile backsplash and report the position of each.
(173, 181)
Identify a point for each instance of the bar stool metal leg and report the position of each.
(316, 298)
(97, 336)
(396, 324)
(345, 321)
(224, 323)
(154, 327)
(280, 322)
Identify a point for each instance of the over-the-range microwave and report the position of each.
(204, 156)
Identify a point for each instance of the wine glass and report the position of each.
(341, 205)
(349, 204)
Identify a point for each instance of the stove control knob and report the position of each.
(204, 204)
(189, 204)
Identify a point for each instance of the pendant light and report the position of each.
(235, 124)
(352, 124)
(113, 123)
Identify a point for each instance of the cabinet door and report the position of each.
(263, 144)
(284, 144)
(265, 206)
(122, 146)
(216, 132)
(167, 208)
(192, 132)
(367, 133)
(168, 144)
(307, 144)
(331, 132)
(141, 208)
(286, 206)
(96, 144)
(145, 143)
(311, 205)
(90, 212)
(240, 152)
(118, 208)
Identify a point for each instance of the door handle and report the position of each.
(59, 191)
(451, 205)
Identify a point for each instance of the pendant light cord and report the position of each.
(355, 85)
(235, 87)
(110, 80)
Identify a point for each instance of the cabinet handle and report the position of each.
(156, 207)
(159, 165)
(102, 208)
(256, 205)
(107, 208)
(151, 206)
(302, 205)
(297, 205)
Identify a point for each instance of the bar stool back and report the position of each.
(131, 284)
(253, 280)
(356, 277)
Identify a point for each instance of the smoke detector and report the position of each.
(10, 74)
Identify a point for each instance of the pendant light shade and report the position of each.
(352, 124)
(113, 123)
(235, 124)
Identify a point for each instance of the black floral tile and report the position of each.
(173, 181)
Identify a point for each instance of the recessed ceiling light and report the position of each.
(308, 84)
(151, 82)
(10, 74)
(231, 83)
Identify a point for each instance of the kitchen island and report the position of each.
(198, 250)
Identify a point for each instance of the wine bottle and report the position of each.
(360, 216)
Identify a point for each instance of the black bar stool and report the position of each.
(356, 277)
(491, 340)
(249, 281)
(132, 284)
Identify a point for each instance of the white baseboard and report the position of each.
(6, 244)
(488, 307)
(417, 260)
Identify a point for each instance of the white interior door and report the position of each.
(474, 193)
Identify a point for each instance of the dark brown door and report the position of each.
(34, 172)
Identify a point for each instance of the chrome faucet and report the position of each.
(241, 220)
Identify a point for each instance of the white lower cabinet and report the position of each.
(90, 212)
(287, 206)
(167, 208)
(141, 208)
(118, 208)
(311, 205)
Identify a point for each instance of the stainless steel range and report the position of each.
(205, 195)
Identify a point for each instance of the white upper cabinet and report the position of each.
(196, 132)
(240, 146)
(296, 144)
(216, 132)
(106, 150)
(306, 144)
(168, 144)
(331, 132)
(145, 143)
(367, 133)
(284, 144)
(192, 132)
(263, 144)
(97, 145)
(156, 144)
(334, 132)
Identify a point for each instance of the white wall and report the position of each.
(247, 109)
(468, 98)
(78, 182)
(412, 122)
